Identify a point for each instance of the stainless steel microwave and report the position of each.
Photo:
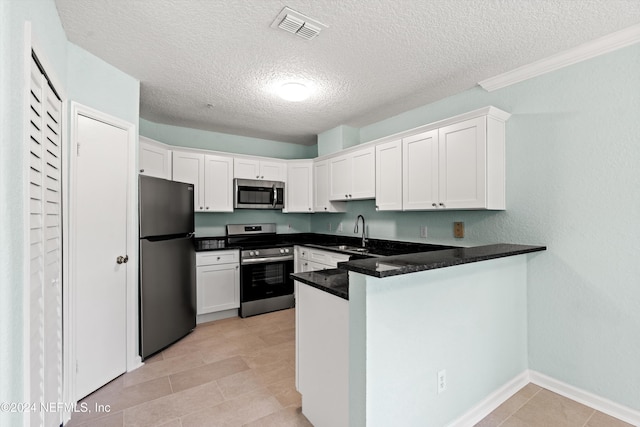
(258, 194)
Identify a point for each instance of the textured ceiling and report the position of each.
(378, 58)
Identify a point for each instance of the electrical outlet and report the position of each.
(423, 231)
(442, 381)
(458, 230)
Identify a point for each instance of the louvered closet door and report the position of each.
(45, 196)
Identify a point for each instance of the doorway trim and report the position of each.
(132, 357)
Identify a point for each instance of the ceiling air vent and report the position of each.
(298, 24)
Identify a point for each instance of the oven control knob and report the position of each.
(286, 251)
(251, 253)
(281, 251)
(257, 253)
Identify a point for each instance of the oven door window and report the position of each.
(266, 280)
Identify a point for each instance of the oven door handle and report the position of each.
(266, 260)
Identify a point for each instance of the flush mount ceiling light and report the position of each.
(293, 91)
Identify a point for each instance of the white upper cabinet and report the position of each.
(459, 165)
(212, 177)
(189, 167)
(269, 170)
(155, 158)
(218, 183)
(299, 197)
(420, 171)
(321, 202)
(462, 150)
(352, 175)
(389, 176)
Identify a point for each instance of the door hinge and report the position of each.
(78, 149)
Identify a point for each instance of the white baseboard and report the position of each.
(601, 404)
(491, 402)
(498, 397)
(218, 315)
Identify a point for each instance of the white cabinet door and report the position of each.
(189, 167)
(420, 171)
(273, 170)
(268, 170)
(339, 178)
(462, 166)
(321, 202)
(363, 174)
(299, 187)
(352, 176)
(246, 168)
(155, 160)
(218, 287)
(389, 176)
(218, 183)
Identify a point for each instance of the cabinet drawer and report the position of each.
(217, 257)
(319, 256)
(303, 252)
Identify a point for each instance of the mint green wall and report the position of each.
(337, 139)
(97, 84)
(573, 144)
(213, 224)
(13, 279)
(470, 320)
(207, 140)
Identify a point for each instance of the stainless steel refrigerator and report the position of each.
(167, 263)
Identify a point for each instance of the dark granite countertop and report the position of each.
(336, 281)
(325, 242)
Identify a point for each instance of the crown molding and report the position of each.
(588, 50)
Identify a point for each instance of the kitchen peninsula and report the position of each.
(415, 339)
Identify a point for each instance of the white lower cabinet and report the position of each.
(312, 259)
(217, 281)
(322, 356)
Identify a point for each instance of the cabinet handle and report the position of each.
(218, 258)
(262, 177)
(141, 170)
(237, 267)
(309, 208)
(346, 196)
(442, 204)
(434, 205)
(122, 259)
(325, 208)
(207, 207)
(257, 176)
(350, 196)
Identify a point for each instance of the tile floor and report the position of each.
(241, 372)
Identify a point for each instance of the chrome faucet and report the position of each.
(355, 229)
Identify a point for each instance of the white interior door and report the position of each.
(101, 195)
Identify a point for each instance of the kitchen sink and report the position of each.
(348, 248)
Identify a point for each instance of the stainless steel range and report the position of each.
(265, 268)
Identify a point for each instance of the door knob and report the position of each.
(122, 259)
